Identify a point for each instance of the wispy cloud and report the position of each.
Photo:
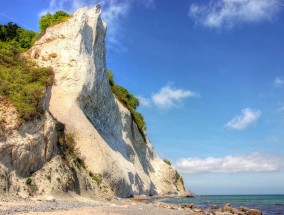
(228, 13)
(113, 12)
(247, 117)
(145, 102)
(278, 81)
(255, 162)
(169, 97)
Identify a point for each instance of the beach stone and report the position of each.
(218, 213)
(214, 207)
(227, 207)
(191, 206)
(50, 199)
(244, 209)
(254, 212)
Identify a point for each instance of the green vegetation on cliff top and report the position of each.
(22, 82)
(50, 20)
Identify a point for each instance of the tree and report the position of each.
(8, 32)
(50, 20)
(25, 38)
(45, 22)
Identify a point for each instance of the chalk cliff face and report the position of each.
(107, 137)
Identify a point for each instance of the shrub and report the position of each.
(96, 177)
(19, 37)
(28, 181)
(179, 178)
(130, 102)
(110, 78)
(50, 20)
(25, 38)
(167, 162)
(67, 145)
(48, 177)
(22, 83)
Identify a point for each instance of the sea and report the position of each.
(268, 204)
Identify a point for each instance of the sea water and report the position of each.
(268, 204)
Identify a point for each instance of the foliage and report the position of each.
(96, 177)
(50, 20)
(179, 178)
(25, 38)
(67, 144)
(110, 78)
(22, 83)
(20, 38)
(28, 181)
(130, 101)
(125, 97)
(8, 32)
(167, 162)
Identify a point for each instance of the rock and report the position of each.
(254, 212)
(82, 100)
(214, 207)
(244, 209)
(236, 211)
(227, 207)
(191, 205)
(130, 196)
(50, 199)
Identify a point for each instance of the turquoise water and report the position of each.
(268, 204)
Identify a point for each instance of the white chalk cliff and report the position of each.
(106, 135)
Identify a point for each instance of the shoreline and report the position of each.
(69, 206)
(144, 198)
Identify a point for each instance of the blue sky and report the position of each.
(210, 77)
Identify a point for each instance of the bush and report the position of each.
(96, 177)
(28, 181)
(110, 78)
(167, 162)
(22, 83)
(50, 20)
(20, 38)
(67, 145)
(130, 102)
(179, 178)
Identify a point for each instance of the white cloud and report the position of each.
(247, 117)
(113, 12)
(169, 97)
(255, 162)
(278, 81)
(145, 102)
(228, 13)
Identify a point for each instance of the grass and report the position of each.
(130, 102)
(22, 82)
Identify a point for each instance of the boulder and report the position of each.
(254, 212)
